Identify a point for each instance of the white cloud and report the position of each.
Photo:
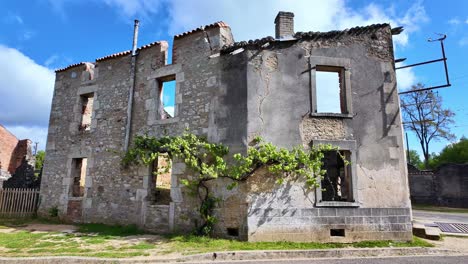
(405, 78)
(34, 133)
(51, 60)
(133, 8)
(454, 21)
(254, 19)
(27, 34)
(328, 86)
(26, 89)
(169, 110)
(463, 42)
(12, 18)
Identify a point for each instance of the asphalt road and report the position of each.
(390, 260)
(429, 216)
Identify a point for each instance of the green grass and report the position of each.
(20, 240)
(417, 242)
(195, 244)
(440, 209)
(142, 245)
(91, 240)
(100, 240)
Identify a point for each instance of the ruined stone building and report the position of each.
(16, 161)
(299, 88)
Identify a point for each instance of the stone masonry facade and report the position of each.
(231, 92)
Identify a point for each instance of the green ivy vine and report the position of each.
(208, 161)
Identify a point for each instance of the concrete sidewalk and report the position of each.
(446, 223)
(248, 255)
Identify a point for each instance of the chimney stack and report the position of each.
(284, 25)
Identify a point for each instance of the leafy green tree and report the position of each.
(424, 115)
(415, 160)
(453, 153)
(208, 161)
(40, 155)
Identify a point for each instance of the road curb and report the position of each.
(244, 255)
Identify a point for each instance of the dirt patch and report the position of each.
(49, 228)
(452, 243)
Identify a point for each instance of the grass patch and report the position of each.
(107, 230)
(98, 240)
(195, 244)
(141, 245)
(118, 254)
(20, 240)
(440, 209)
(417, 242)
(95, 239)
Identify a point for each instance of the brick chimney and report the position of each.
(284, 25)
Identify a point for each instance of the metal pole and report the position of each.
(132, 86)
(445, 62)
(135, 37)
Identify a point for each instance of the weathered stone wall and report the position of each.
(444, 186)
(279, 93)
(231, 98)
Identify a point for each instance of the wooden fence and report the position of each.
(18, 202)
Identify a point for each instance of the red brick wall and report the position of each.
(8, 143)
(23, 148)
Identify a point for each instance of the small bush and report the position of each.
(53, 212)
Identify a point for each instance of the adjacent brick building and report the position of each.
(232, 92)
(13, 153)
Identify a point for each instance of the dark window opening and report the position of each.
(231, 231)
(330, 90)
(87, 101)
(337, 183)
(79, 176)
(161, 180)
(167, 97)
(337, 232)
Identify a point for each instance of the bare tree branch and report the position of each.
(423, 114)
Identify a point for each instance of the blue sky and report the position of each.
(38, 36)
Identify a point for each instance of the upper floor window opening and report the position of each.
(330, 90)
(167, 97)
(87, 101)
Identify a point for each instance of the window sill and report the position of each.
(88, 82)
(336, 204)
(166, 121)
(75, 198)
(337, 115)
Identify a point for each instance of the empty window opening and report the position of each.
(167, 94)
(79, 176)
(337, 232)
(233, 231)
(87, 101)
(161, 180)
(329, 90)
(337, 183)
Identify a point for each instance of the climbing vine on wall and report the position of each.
(208, 161)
